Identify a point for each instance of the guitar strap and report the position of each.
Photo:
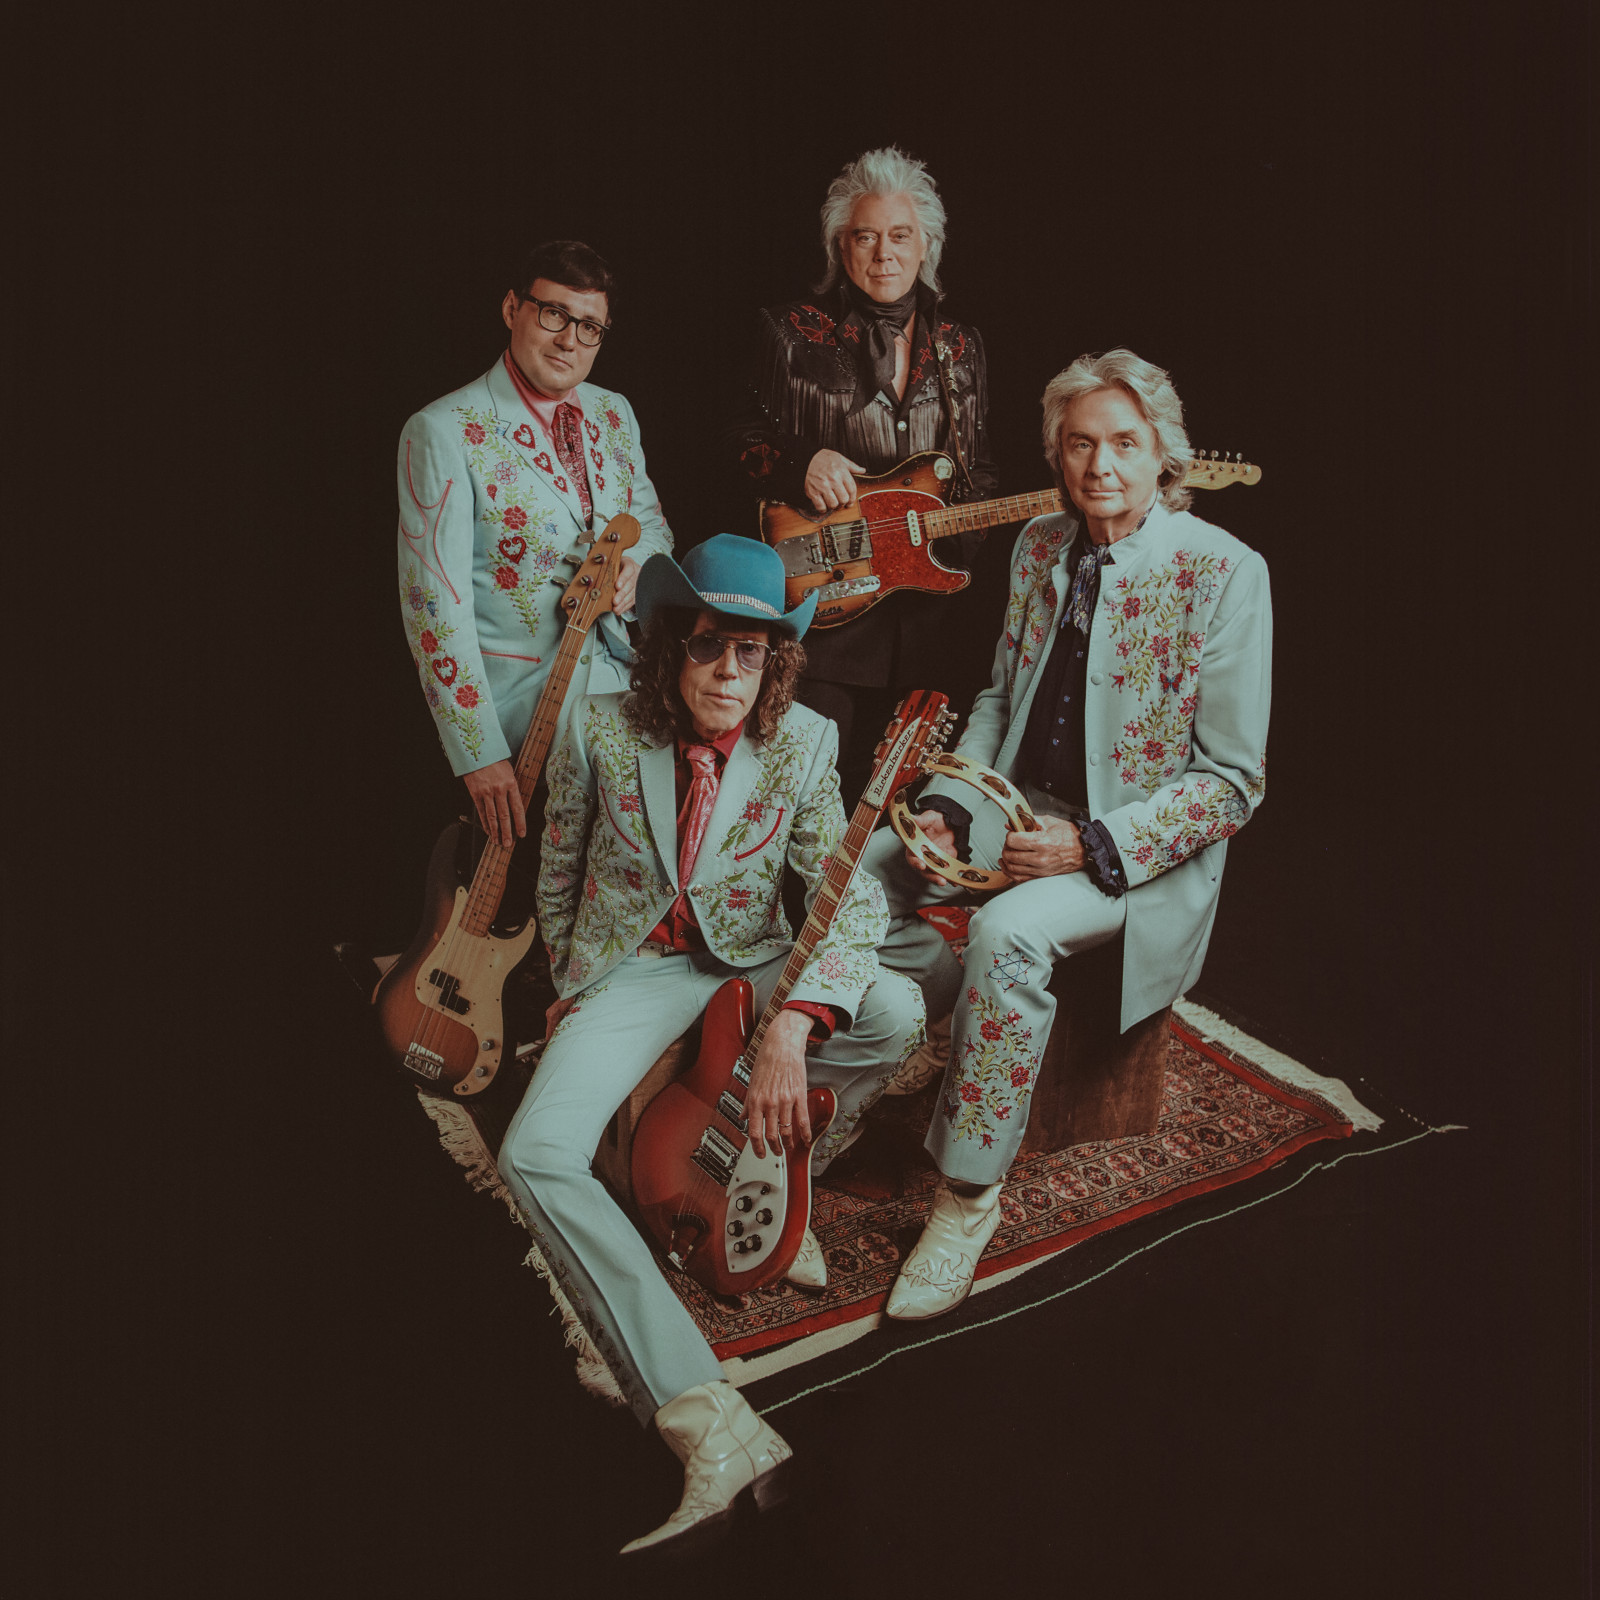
(947, 388)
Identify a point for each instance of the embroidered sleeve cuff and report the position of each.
(1102, 859)
(824, 1019)
(953, 812)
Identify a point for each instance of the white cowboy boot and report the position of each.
(808, 1269)
(937, 1275)
(725, 1448)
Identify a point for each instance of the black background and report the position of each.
(278, 1343)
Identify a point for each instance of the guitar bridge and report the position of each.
(424, 1062)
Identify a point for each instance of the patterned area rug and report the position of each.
(1231, 1109)
(1222, 1121)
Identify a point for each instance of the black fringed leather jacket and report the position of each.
(803, 385)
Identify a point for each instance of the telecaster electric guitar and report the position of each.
(729, 1218)
(882, 540)
(439, 1006)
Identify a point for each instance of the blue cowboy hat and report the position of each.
(737, 577)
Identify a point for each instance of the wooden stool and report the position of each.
(1096, 1082)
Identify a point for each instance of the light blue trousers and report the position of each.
(998, 999)
(604, 1046)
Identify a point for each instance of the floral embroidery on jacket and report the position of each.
(449, 689)
(1197, 813)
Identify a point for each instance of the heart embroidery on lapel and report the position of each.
(598, 459)
(444, 669)
(592, 429)
(514, 548)
(524, 436)
(599, 484)
(542, 461)
(561, 484)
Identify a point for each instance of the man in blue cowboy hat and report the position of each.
(672, 811)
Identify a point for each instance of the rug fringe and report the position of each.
(464, 1145)
(1295, 1074)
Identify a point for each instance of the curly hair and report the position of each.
(654, 707)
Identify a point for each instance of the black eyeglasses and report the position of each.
(553, 318)
(704, 648)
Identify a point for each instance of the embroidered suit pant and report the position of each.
(604, 1046)
(998, 997)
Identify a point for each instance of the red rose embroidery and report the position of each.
(1154, 750)
(429, 642)
(971, 1093)
(1040, 551)
(466, 696)
(1197, 813)
(738, 899)
(630, 876)
(515, 518)
(990, 1029)
(474, 433)
(506, 577)
(1186, 579)
(613, 418)
(1130, 606)
(1019, 1076)
(514, 548)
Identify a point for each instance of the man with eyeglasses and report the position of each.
(503, 485)
(672, 812)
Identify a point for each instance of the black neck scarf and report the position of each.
(880, 322)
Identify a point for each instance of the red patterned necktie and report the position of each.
(696, 814)
(569, 451)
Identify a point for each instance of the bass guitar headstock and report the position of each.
(1217, 472)
(914, 738)
(588, 597)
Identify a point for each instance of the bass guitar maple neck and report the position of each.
(439, 1006)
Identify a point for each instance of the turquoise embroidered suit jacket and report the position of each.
(1175, 719)
(609, 861)
(490, 536)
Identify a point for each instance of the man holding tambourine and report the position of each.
(1124, 737)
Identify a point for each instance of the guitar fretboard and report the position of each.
(974, 514)
(835, 881)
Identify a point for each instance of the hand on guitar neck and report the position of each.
(498, 803)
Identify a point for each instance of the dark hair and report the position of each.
(570, 263)
(656, 709)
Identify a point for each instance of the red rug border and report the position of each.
(1330, 1126)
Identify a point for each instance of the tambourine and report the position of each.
(1018, 814)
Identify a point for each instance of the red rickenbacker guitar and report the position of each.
(882, 540)
(439, 1005)
(730, 1219)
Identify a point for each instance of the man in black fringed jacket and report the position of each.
(850, 384)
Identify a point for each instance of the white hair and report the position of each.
(1151, 391)
(884, 172)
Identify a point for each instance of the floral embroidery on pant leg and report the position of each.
(993, 1071)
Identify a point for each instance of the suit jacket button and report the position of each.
(1094, 761)
(1096, 679)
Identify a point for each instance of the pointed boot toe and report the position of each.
(725, 1449)
(939, 1273)
(808, 1270)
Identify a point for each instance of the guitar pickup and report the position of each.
(730, 1108)
(716, 1157)
(847, 587)
(449, 992)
